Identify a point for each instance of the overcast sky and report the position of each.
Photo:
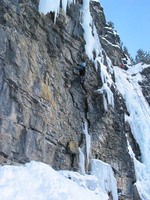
(132, 22)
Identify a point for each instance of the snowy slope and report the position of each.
(139, 118)
(38, 181)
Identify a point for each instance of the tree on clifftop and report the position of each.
(142, 56)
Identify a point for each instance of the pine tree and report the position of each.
(142, 56)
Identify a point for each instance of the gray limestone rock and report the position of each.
(43, 104)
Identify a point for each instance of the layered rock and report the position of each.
(109, 38)
(44, 106)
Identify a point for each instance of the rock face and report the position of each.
(43, 105)
(109, 38)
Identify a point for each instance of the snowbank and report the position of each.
(137, 68)
(38, 181)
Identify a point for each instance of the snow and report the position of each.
(46, 6)
(81, 162)
(105, 90)
(105, 176)
(90, 32)
(143, 178)
(139, 118)
(108, 97)
(87, 181)
(137, 68)
(108, 42)
(65, 3)
(87, 24)
(93, 45)
(38, 181)
(87, 140)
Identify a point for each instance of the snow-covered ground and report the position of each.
(139, 119)
(38, 181)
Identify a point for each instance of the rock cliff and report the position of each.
(46, 113)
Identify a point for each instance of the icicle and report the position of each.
(65, 3)
(105, 103)
(81, 162)
(46, 6)
(105, 90)
(90, 33)
(87, 141)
